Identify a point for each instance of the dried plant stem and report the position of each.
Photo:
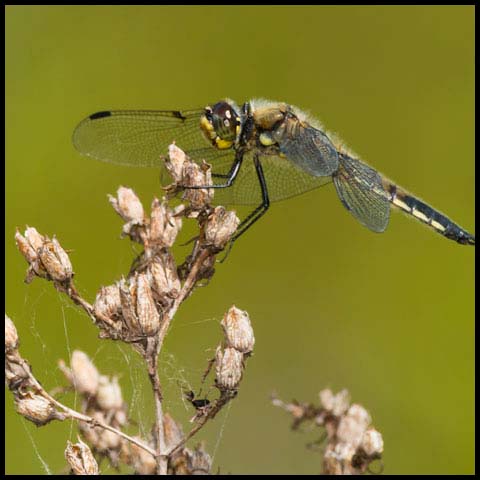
(160, 457)
(189, 284)
(187, 287)
(224, 398)
(73, 414)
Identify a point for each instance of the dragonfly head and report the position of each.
(221, 124)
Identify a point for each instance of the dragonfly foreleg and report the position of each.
(250, 219)
(230, 176)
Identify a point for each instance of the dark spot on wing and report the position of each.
(178, 114)
(97, 115)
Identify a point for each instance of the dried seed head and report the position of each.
(34, 238)
(173, 431)
(29, 246)
(337, 459)
(81, 459)
(353, 425)
(127, 205)
(109, 394)
(220, 227)
(55, 260)
(360, 414)
(15, 374)
(372, 442)
(200, 462)
(164, 278)
(175, 161)
(195, 175)
(107, 303)
(164, 226)
(36, 408)
(138, 307)
(238, 330)
(100, 439)
(11, 335)
(336, 404)
(142, 462)
(85, 376)
(25, 247)
(62, 256)
(147, 314)
(128, 300)
(228, 368)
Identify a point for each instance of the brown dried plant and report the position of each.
(138, 309)
(350, 442)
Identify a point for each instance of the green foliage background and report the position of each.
(390, 317)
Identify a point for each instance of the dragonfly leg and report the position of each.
(230, 176)
(257, 213)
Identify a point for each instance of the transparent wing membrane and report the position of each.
(283, 178)
(311, 150)
(138, 137)
(361, 191)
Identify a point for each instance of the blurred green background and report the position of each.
(389, 317)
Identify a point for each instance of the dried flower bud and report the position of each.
(173, 431)
(228, 368)
(353, 425)
(220, 227)
(164, 278)
(85, 376)
(360, 414)
(164, 226)
(195, 175)
(36, 408)
(337, 459)
(336, 404)
(127, 205)
(200, 462)
(55, 260)
(109, 394)
(175, 161)
(138, 307)
(107, 302)
(81, 459)
(29, 247)
(142, 461)
(372, 442)
(11, 335)
(120, 417)
(104, 441)
(34, 238)
(25, 247)
(15, 374)
(238, 330)
(147, 314)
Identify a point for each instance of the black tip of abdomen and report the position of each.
(460, 235)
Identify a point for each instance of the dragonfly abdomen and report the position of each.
(427, 214)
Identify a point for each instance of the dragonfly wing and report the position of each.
(284, 180)
(138, 137)
(361, 191)
(308, 148)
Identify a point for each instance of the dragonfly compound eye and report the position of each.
(221, 125)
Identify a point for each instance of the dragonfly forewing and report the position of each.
(137, 137)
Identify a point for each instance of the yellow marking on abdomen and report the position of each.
(437, 226)
(420, 215)
(398, 203)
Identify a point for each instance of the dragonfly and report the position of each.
(260, 152)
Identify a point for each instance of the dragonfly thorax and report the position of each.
(221, 125)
